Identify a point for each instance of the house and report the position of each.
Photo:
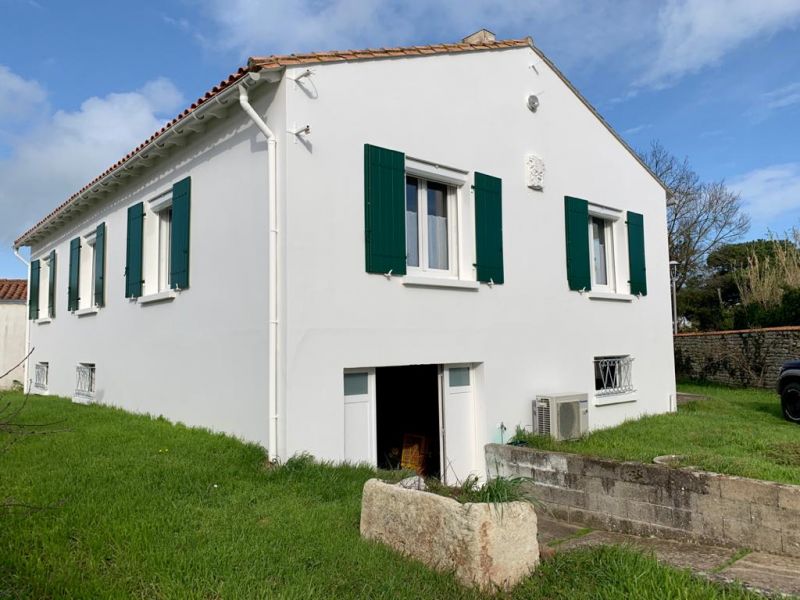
(349, 253)
(13, 327)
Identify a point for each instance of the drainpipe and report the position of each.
(27, 318)
(272, 368)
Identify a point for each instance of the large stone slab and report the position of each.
(482, 544)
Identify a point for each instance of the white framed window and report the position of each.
(613, 375)
(431, 226)
(601, 250)
(40, 375)
(44, 287)
(85, 380)
(86, 273)
(604, 260)
(156, 246)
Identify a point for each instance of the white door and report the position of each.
(458, 418)
(359, 416)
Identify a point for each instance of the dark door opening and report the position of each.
(407, 410)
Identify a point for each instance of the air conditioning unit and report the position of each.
(561, 416)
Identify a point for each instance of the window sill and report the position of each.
(165, 296)
(440, 282)
(44, 321)
(611, 296)
(85, 312)
(615, 399)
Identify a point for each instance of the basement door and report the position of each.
(359, 417)
(457, 416)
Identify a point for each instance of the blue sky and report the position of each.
(82, 83)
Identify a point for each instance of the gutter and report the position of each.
(26, 383)
(272, 226)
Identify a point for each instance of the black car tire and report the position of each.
(790, 402)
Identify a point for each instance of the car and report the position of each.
(789, 389)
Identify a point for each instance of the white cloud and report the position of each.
(782, 97)
(52, 160)
(771, 196)
(19, 97)
(694, 34)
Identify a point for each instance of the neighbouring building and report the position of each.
(13, 327)
(348, 252)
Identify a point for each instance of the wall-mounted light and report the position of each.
(533, 102)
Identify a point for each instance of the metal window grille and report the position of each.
(84, 385)
(40, 375)
(612, 375)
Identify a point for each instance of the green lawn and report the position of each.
(738, 432)
(133, 507)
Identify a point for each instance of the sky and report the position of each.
(82, 83)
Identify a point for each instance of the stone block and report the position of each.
(749, 490)
(636, 491)
(575, 498)
(750, 535)
(790, 544)
(789, 497)
(483, 545)
(609, 505)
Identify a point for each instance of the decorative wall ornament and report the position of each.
(534, 172)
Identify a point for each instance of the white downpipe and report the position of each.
(26, 383)
(244, 101)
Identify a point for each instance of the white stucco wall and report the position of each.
(201, 358)
(531, 335)
(13, 317)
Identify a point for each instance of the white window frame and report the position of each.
(455, 180)
(87, 371)
(610, 218)
(44, 288)
(86, 274)
(40, 382)
(156, 246)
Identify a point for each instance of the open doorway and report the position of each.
(407, 412)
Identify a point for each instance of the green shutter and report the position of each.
(100, 265)
(576, 213)
(636, 261)
(74, 274)
(51, 296)
(33, 297)
(384, 210)
(133, 255)
(179, 238)
(489, 228)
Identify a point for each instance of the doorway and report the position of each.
(408, 417)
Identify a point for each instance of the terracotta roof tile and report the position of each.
(276, 62)
(13, 290)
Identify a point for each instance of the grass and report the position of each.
(134, 507)
(736, 431)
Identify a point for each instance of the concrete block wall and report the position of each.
(750, 357)
(654, 500)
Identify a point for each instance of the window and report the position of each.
(47, 286)
(40, 374)
(612, 375)
(459, 376)
(601, 235)
(85, 380)
(430, 225)
(356, 384)
(157, 251)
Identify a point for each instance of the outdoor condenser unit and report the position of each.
(561, 416)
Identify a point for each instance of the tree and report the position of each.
(701, 217)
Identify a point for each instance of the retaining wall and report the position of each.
(643, 499)
(749, 357)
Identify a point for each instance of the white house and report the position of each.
(13, 294)
(336, 252)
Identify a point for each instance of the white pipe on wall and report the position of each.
(26, 369)
(272, 369)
